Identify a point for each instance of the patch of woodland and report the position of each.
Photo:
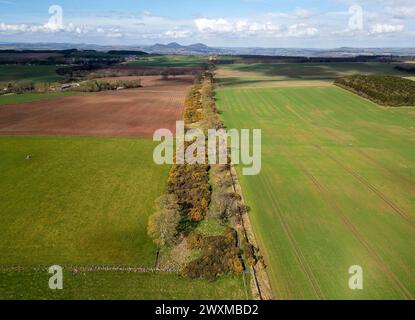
(105, 85)
(384, 90)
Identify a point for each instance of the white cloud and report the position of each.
(401, 11)
(45, 28)
(243, 28)
(178, 34)
(301, 29)
(214, 25)
(386, 28)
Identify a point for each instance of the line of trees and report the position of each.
(188, 201)
(106, 85)
(384, 90)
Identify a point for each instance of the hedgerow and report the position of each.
(190, 186)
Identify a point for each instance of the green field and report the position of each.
(86, 202)
(78, 201)
(170, 61)
(271, 74)
(25, 72)
(112, 285)
(29, 97)
(337, 188)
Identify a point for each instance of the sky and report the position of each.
(219, 23)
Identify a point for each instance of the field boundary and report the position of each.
(87, 268)
(261, 283)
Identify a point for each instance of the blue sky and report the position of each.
(245, 23)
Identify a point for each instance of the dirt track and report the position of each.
(134, 112)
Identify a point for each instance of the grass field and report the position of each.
(170, 61)
(337, 188)
(30, 97)
(78, 201)
(86, 202)
(272, 74)
(24, 72)
(126, 286)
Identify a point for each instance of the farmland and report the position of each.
(30, 97)
(125, 286)
(86, 201)
(272, 74)
(336, 189)
(134, 112)
(25, 72)
(70, 180)
(169, 61)
(83, 197)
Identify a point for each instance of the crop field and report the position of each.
(316, 74)
(24, 72)
(337, 189)
(169, 61)
(133, 112)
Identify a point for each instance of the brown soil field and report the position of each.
(134, 112)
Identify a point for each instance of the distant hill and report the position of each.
(174, 47)
(202, 49)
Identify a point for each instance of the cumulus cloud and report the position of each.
(242, 28)
(214, 25)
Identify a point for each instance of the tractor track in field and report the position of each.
(359, 237)
(366, 183)
(350, 226)
(360, 152)
(296, 248)
(371, 159)
(356, 175)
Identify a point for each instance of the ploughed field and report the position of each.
(337, 189)
(134, 112)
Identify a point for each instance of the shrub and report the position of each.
(249, 253)
(220, 255)
(162, 226)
